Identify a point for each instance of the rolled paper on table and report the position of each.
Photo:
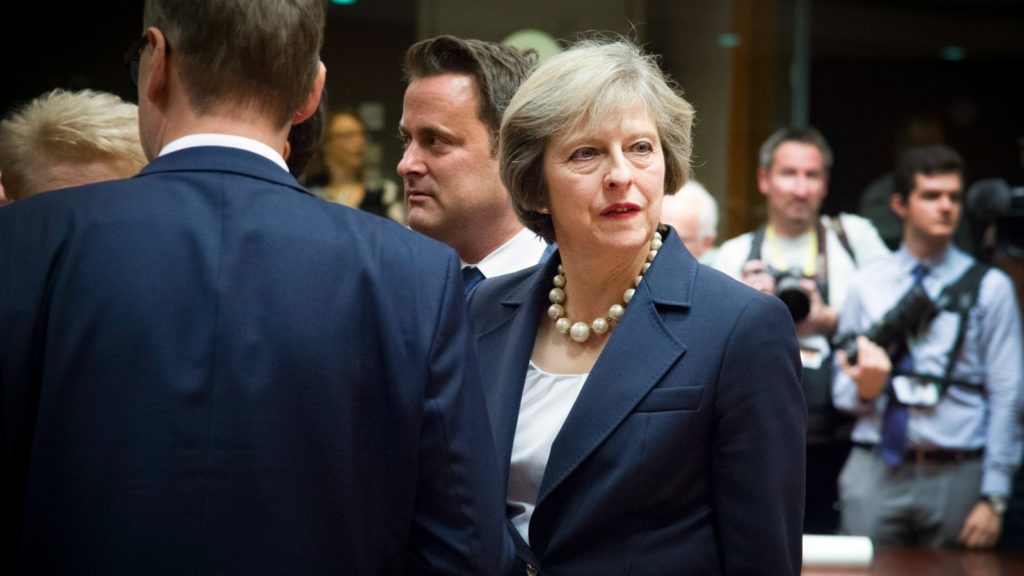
(820, 550)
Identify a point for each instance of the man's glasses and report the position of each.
(132, 58)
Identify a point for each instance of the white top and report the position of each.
(226, 141)
(547, 400)
(521, 251)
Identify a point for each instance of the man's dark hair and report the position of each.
(926, 160)
(497, 69)
(808, 135)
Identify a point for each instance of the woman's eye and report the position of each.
(584, 154)
(643, 147)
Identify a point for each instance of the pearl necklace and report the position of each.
(581, 331)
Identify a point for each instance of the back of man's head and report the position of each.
(231, 55)
(63, 138)
(497, 70)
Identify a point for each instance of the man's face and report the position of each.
(932, 209)
(795, 185)
(452, 185)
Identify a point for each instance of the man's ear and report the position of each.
(308, 107)
(898, 206)
(762, 180)
(159, 68)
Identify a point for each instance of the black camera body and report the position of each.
(789, 289)
(993, 200)
(912, 312)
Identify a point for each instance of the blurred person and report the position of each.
(303, 139)
(693, 212)
(808, 259)
(338, 172)
(666, 435)
(62, 139)
(457, 92)
(200, 371)
(938, 405)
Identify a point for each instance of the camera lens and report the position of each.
(794, 297)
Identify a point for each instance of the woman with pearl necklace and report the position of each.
(646, 409)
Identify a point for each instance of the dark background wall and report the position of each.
(873, 63)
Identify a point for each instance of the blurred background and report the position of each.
(871, 74)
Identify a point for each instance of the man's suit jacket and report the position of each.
(207, 370)
(684, 453)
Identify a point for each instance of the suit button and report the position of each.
(531, 570)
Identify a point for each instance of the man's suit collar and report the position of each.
(222, 159)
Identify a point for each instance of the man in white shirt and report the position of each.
(821, 254)
(451, 114)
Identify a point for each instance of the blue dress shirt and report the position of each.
(992, 357)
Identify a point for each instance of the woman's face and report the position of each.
(605, 188)
(346, 141)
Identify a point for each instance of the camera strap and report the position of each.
(958, 297)
(821, 268)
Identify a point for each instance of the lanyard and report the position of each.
(810, 260)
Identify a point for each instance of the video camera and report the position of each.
(788, 288)
(992, 199)
(914, 310)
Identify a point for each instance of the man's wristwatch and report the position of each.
(997, 502)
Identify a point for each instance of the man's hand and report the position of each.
(981, 528)
(871, 371)
(756, 275)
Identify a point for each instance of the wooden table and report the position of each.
(928, 562)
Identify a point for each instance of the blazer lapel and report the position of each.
(641, 350)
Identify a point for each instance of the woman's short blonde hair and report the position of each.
(576, 90)
(86, 126)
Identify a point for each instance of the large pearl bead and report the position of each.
(600, 325)
(616, 311)
(556, 296)
(556, 311)
(562, 325)
(580, 332)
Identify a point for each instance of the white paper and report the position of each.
(915, 392)
(822, 550)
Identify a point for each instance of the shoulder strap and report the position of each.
(960, 297)
(756, 240)
(837, 225)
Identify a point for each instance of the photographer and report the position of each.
(808, 260)
(936, 395)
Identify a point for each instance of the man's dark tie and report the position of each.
(471, 276)
(893, 446)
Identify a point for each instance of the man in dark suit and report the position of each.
(206, 370)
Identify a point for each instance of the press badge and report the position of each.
(810, 357)
(914, 391)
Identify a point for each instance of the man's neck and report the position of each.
(790, 229)
(476, 249)
(925, 248)
(253, 127)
